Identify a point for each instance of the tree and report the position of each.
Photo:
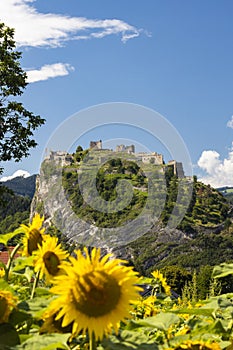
(204, 281)
(79, 149)
(176, 277)
(17, 124)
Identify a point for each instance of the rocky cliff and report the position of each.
(191, 246)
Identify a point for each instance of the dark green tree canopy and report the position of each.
(17, 124)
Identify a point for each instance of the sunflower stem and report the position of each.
(36, 280)
(10, 260)
(92, 342)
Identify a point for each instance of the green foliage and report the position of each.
(190, 290)
(45, 342)
(106, 182)
(209, 207)
(11, 222)
(5, 238)
(174, 322)
(176, 277)
(17, 124)
(14, 210)
(80, 154)
(204, 281)
(8, 336)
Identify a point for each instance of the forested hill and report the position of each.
(208, 207)
(15, 203)
(24, 186)
(204, 237)
(14, 210)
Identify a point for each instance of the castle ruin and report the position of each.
(96, 145)
(153, 158)
(128, 149)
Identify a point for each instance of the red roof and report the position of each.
(4, 256)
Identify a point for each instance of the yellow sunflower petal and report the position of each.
(7, 303)
(33, 235)
(50, 258)
(95, 294)
(197, 345)
(162, 280)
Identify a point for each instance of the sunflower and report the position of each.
(196, 345)
(95, 294)
(49, 258)
(7, 303)
(51, 325)
(163, 286)
(145, 307)
(2, 272)
(33, 235)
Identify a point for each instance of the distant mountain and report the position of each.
(23, 186)
(227, 192)
(17, 173)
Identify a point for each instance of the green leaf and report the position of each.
(161, 321)
(133, 325)
(225, 301)
(226, 345)
(45, 342)
(5, 286)
(18, 316)
(222, 270)
(8, 236)
(8, 335)
(128, 340)
(145, 280)
(197, 311)
(217, 328)
(28, 273)
(24, 337)
(38, 305)
(42, 292)
(22, 262)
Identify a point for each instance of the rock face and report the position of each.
(50, 200)
(144, 241)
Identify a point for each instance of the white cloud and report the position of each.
(48, 71)
(209, 161)
(230, 123)
(36, 29)
(219, 172)
(17, 173)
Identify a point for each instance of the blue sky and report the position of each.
(175, 57)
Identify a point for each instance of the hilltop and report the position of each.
(203, 237)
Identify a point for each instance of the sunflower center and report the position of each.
(97, 294)
(34, 240)
(51, 262)
(3, 307)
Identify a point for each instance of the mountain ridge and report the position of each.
(23, 186)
